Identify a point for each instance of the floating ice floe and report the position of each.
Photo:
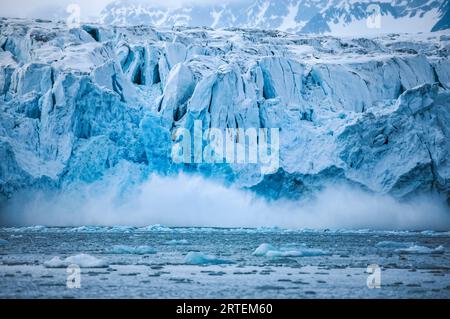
(435, 233)
(100, 229)
(393, 244)
(3, 242)
(136, 250)
(25, 229)
(87, 229)
(263, 249)
(121, 229)
(197, 258)
(157, 227)
(81, 260)
(415, 249)
(177, 242)
(267, 250)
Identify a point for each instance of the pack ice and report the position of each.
(78, 105)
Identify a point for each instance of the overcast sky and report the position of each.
(48, 8)
(57, 8)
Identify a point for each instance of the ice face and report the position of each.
(83, 104)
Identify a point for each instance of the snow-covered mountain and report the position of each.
(99, 105)
(338, 17)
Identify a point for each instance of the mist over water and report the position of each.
(192, 201)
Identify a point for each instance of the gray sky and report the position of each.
(48, 8)
(55, 8)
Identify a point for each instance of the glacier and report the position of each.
(80, 106)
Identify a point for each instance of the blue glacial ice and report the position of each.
(393, 244)
(267, 250)
(198, 258)
(263, 249)
(82, 115)
(416, 249)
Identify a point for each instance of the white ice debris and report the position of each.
(263, 249)
(81, 260)
(136, 250)
(415, 249)
(198, 258)
(77, 104)
(86, 229)
(268, 250)
(120, 229)
(393, 244)
(155, 228)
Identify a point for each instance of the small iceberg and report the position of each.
(86, 229)
(177, 242)
(435, 233)
(265, 229)
(3, 242)
(267, 250)
(263, 249)
(197, 258)
(415, 249)
(37, 228)
(393, 244)
(81, 260)
(155, 228)
(132, 250)
(121, 229)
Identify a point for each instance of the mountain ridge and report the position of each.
(338, 17)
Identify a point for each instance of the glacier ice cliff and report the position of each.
(77, 105)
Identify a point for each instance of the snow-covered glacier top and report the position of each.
(80, 105)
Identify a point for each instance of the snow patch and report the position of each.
(155, 228)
